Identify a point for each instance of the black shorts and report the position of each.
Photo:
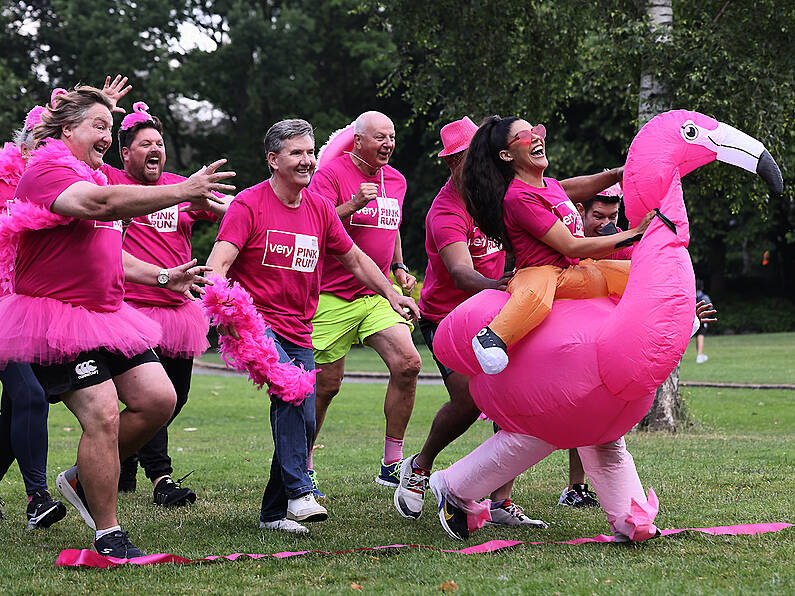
(86, 370)
(702, 329)
(428, 330)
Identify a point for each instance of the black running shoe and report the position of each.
(116, 544)
(43, 511)
(452, 518)
(587, 497)
(168, 493)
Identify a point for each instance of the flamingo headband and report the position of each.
(139, 114)
(34, 116)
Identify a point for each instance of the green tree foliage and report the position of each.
(576, 67)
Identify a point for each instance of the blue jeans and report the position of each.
(293, 429)
(23, 425)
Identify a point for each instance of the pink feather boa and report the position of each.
(23, 216)
(255, 352)
(12, 164)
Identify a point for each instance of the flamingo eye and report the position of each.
(689, 131)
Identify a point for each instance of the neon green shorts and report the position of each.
(338, 324)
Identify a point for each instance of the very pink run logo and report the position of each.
(165, 220)
(287, 250)
(480, 246)
(381, 212)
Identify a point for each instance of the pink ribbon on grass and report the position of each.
(87, 558)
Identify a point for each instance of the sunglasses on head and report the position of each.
(525, 137)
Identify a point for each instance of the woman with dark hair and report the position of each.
(513, 203)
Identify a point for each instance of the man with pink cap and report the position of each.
(461, 262)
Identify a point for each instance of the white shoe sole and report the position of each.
(308, 517)
(294, 530)
(63, 486)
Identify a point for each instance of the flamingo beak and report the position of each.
(739, 149)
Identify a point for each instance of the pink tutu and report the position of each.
(184, 328)
(46, 331)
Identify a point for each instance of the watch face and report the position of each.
(162, 279)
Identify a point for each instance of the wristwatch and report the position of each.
(396, 266)
(162, 278)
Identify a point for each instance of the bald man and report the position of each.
(368, 195)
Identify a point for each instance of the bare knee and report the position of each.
(328, 385)
(160, 406)
(103, 421)
(406, 368)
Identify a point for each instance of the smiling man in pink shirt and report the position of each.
(367, 194)
(273, 241)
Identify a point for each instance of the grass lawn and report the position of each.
(733, 463)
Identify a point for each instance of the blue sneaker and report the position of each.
(315, 489)
(390, 474)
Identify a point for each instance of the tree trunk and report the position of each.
(665, 412)
(653, 94)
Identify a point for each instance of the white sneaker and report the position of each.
(284, 525)
(490, 350)
(306, 509)
(701, 358)
(510, 514)
(410, 493)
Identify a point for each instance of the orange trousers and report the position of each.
(533, 289)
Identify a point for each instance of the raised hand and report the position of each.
(115, 90)
(201, 185)
(187, 277)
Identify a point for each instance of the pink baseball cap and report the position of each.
(457, 135)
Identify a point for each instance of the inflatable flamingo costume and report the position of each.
(589, 372)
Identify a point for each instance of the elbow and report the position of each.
(101, 209)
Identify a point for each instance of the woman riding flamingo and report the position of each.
(514, 204)
(589, 372)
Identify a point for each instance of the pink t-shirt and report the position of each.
(281, 252)
(373, 228)
(79, 263)
(448, 222)
(161, 238)
(529, 213)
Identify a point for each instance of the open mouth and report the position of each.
(538, 151)
(100, 148)
(152, 163)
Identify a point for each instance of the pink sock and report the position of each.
(309, 463)
(393, 450)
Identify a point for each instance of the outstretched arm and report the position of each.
(582, 188)
(458, 261)
(560, 238)
(84, 200)
(181, 279)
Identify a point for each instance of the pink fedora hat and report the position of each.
(456, 135)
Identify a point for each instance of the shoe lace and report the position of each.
(417, 482)
(514, 509)
(179, 480)
(118, 539)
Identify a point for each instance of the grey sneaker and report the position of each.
(410, 493)
(510, 514)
